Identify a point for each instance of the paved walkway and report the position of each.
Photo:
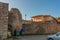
(33, 37)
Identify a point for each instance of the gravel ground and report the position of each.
(32, 37)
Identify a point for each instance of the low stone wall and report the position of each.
(41, 28)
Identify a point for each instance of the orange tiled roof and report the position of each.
(58, 19)
(40, 16)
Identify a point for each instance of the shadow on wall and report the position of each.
(10, 28)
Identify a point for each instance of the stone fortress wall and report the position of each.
(3, 19)
(15, 19)
(12, 18)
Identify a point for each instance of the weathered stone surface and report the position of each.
(27, 28)
(40, 28)
(3, 19)
(15, 19)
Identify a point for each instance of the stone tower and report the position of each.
(15, 19)
(3, 19)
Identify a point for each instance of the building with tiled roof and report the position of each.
(43, 18)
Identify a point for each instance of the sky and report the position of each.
(35, 7)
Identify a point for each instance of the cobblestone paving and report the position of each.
(34, 37)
